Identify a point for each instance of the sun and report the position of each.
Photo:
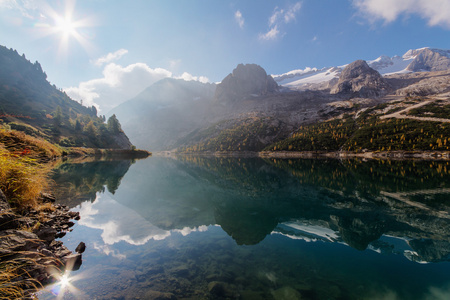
(66, 27)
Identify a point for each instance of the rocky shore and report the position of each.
(28, 242)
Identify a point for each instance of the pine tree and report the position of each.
(58, 116)
(114, 125)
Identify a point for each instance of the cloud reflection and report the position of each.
(120, 223)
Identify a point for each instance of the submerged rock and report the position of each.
(155, 295)
(286, 293)
(219, 290)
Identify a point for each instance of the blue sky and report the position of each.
(106, 52)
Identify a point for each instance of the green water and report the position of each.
(230, 228)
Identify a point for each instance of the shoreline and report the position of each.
(397, 155)
(29, 242)
(108, 153)
(425, 155)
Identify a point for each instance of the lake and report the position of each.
(251, 228)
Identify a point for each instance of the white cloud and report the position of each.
(239, 18)
(436, 12)
(120, 84)
(189, 77)
(272, 34)
(110, 57)
(106, 249)
(118, 223)
(279, 17)
(117, 85)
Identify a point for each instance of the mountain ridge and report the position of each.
(29, 103)
(249, 111)
(317, 78)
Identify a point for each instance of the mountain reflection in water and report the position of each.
(266, 207)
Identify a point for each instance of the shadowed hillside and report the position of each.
(29, 103)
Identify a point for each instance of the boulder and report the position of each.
(46, 233)
(81, 247)
(46, 197)
(12, 240)
(73, 261)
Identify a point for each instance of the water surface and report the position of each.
(230, 228)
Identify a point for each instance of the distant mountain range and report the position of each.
(250, 110)
(419, 60)
(331, 109)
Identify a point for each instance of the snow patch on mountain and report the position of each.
(388, 65)
(311, 78)
(308, 76)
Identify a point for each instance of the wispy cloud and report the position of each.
(110, 57)
(289, 15)
(279, 17)
(436, 12)
(28, 8)
(272, 34)
(239, 18)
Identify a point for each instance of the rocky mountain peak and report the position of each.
(245, 81)
(358, 79)
(430, 60)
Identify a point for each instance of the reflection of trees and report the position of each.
(370, 176)
(249, 198)
(349, 196)
(78, 182)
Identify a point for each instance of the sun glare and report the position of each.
(65, 280)
(64, 284)
(66, 27)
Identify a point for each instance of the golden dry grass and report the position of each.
(21, 180)
(22, 177)
(16, 282)
(21, 144)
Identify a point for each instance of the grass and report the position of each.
(16, 276)
(15, 280)
(22, 180)
(21, 144)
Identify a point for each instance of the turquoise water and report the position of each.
(230, 228)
